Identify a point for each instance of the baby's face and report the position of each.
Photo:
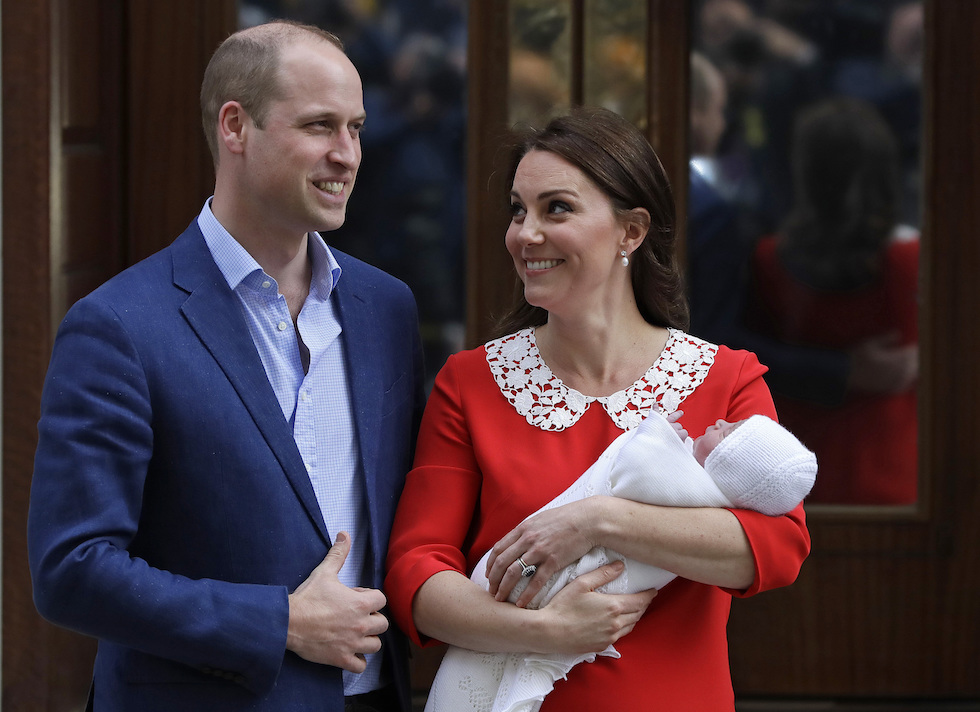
(712, 436)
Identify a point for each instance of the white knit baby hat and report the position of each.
(762, 466)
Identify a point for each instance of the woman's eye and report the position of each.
(559, 206)
(516, 210)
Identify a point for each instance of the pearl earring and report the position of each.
(626, 260)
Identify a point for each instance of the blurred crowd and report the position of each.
(803, 221)
(407, 215)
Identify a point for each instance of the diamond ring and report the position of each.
(528, 570)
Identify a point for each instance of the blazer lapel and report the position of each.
(359, 324)
(214, 314)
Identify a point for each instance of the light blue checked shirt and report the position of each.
(316, 403)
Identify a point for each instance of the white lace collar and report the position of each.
(547, 403)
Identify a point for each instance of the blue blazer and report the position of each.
(171, 513)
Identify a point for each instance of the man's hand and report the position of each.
(330, 623)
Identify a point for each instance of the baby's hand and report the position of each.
(673, 419)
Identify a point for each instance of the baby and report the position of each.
(704, 445)
(765, 468)
(749, 464)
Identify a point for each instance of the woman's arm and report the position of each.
(706, 545)
(730, 549)
(701, 544)
(453, 609)
(431, 597)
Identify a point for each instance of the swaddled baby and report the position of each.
(750, 464)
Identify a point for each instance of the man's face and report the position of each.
(301, 165)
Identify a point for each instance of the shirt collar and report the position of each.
(236, 263)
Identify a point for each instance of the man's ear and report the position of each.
(232, 123)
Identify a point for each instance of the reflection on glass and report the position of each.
(407, 213)
(540, 60)
(615, 67)
(804, 209)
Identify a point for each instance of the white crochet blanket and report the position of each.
(650, 464)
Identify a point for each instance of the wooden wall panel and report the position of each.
(60, 154)
(77, 76)
(26, 338)
(170, 172)
(86, 240)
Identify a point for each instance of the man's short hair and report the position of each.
(245, 67)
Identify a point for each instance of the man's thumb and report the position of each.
(337, 555)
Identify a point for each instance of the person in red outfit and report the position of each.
(842, 275)
(595, 344)
(749, 464)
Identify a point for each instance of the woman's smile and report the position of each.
(536, 265)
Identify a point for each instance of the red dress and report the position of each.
(866, 447)
(490, 453)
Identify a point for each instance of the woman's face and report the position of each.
(565, 238)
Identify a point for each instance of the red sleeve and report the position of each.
(779, 544)
(779, 547)
(437, 505)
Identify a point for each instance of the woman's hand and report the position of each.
(548, 541)
(588, 622)
(451, 608)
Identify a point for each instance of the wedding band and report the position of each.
(528, 570)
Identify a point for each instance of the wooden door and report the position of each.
(888, 605)
(104, 162)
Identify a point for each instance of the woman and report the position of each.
(843, 275)
(592, 347)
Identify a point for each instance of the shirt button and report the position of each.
(266, 284)
(282, 326)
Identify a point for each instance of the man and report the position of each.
(215, 416)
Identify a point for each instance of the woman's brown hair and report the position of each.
(617, 157)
